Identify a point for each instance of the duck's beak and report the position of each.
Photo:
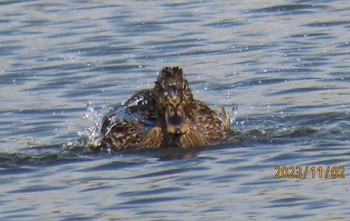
(175, 119)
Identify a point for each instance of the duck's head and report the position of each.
(173, 92)
(175, 117)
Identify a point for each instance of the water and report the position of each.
(284, 63)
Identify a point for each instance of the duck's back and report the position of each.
(213, 124)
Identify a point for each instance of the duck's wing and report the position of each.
(120, 116)
(141, 107)
(124, 125)
(213, 124)
(123, 135)
(111, 118)
(123, 130)
(143, 102)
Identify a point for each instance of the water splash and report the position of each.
(233, 113)
(90, 136)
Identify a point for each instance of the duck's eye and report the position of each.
(179, 112)
(171, 111)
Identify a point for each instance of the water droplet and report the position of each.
(87, 104)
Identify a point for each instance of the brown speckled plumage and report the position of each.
(167, 116)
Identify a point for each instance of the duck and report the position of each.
(166, 115)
